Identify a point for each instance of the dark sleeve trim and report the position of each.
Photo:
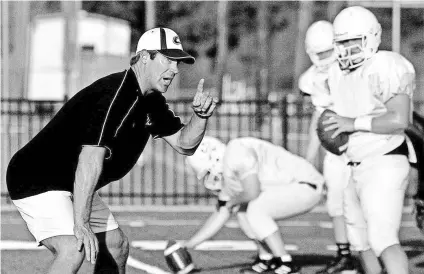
(110, 107)
(108, 150)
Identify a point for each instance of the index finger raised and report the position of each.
(200, 86)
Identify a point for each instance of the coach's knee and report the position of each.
(68, 251)
(118, 245)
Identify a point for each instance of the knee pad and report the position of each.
(261, 223)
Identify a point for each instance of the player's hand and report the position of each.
(339, 123)
(203, 103)
(419, 213)
(232, 207)
(87, 239)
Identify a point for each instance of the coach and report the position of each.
(96, 138)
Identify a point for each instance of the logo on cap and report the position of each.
(176, 40)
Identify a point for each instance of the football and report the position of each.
(178, 258)
(330, 144)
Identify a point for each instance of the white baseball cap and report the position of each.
(165, 41)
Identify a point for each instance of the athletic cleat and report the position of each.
(286, 268)
(259, 266)
(340, 265)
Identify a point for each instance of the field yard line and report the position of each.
(179, 208)
(235, 224)
(20, 245)
(222, 245)
(219, 245)
(146, 267)
(406, 248)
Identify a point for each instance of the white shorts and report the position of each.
(50, 214)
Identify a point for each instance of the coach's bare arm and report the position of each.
(187, 139)
(90, 165)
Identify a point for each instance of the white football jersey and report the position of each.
(315, 83)
(273, 164)
(365, 91)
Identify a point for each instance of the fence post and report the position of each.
(284, 121)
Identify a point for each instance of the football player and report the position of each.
(371, 91)
(314, 82)
(263, 183)
(415, 132)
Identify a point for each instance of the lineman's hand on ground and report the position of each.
(203, 103)
(87, 239)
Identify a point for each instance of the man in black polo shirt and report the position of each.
(96, 138)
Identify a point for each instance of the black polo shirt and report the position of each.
(110, 113)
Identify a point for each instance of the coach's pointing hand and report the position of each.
(203, 103)
(87, 239)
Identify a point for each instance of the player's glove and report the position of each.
(419, 213)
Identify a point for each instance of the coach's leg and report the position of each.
(113, 253)
(67, 259)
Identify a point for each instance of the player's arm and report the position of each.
(89, 168)
(394, 121)
(188, 138)
(251, 190)
(211, 227)
(314, 143)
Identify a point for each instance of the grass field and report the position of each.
(308, 238)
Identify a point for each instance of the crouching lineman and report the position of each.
(372, 94)
(267, 183)
(314, 83)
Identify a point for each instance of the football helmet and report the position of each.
(356, 23)
(320, 39)
(207, 163)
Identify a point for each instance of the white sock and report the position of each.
(265, 256)
(286, 258)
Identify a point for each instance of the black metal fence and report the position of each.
(161, 177)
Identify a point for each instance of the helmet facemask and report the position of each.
(356, 23)
(351, 56)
